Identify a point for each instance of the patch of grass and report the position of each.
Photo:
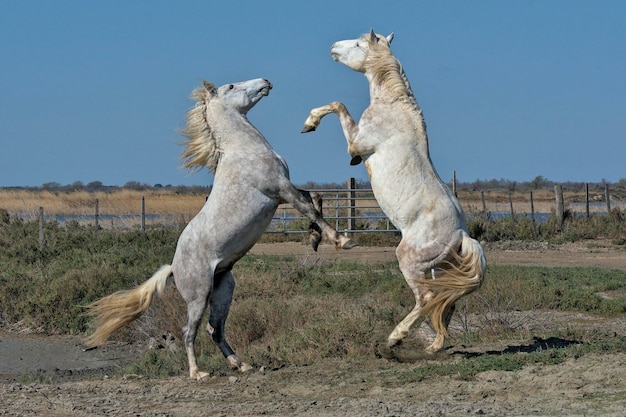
(574, 228)
(46, 288)
(517, 288)
(285, 310)
(467, 368)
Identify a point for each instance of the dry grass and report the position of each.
(174, 207)
(122, 201)
(544, 201)
(168, 204)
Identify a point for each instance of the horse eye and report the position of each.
(230, 87)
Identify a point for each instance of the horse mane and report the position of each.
(387, 72)
(201, 148)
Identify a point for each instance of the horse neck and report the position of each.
(233, 129)
(393, 88)
(389, 83)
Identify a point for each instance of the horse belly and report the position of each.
(224, 231)
(411, 193)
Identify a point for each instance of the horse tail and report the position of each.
(120, 308)
(454, 279)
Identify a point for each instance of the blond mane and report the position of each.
(387, 72)
(201, 148)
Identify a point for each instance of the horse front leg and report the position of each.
(301, 201)
(348, 125)
(315, 232)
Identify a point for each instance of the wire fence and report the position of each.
(355, 210)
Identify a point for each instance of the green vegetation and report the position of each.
(574, 228)
(290, 311)
(45, 288)
(471, 366)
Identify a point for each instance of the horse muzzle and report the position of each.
(266, 90)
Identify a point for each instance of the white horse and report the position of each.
(391, 138)
(251, 180)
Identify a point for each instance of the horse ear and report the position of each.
(373, 37)
(390, 37)
(210, 87)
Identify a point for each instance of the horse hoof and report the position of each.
(346, 243)
(356, 160)
(431, 350)
(315, 238)
(393, 342)
(200, 376)
(349, 244)
(308, 128)
(245, 368)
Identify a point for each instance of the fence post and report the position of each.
(532, 215)
(351, 204)
(512, 212)
(97, 215)
(560, 213)
(486, 215)
(587, 199)
(41, 232)
(454, 183)
(607, 197)
(143, 214)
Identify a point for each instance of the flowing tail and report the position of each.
(118, 309)
(463, 275)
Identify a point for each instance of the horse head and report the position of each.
(201, 149)
(354, 53)
(243, 95)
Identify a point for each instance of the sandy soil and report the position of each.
(590, 385)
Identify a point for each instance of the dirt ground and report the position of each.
(590, 385)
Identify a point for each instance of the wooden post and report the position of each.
(482, 197)
(607, 197)
(512, 212)
(486, 214)
(41, 226)
(587, 199)
(560, 213)
(97, 215)
(352, 204)
(143, 214)
(454, 183)
(532, 215)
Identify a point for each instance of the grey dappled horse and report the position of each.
(251, 180)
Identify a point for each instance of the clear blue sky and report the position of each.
(96, 90)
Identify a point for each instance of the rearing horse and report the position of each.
(391, 139)
(251, 180)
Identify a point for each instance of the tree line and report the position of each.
(539, 182)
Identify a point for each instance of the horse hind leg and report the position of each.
(195, 311)
(437, 344)
(220, 301)
(422, 296)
